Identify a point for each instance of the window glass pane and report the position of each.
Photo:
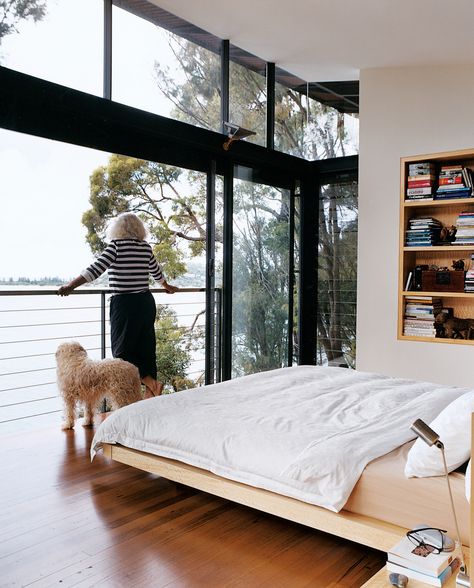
(337, 274)
(248, 97)
(260, 277)
(70, 193)
(160, 72)
(306, 128)
(62, 41)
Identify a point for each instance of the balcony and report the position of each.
(33, 322)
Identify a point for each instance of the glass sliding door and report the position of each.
(337, 273)
(261, 273)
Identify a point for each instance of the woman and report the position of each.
(129, 260)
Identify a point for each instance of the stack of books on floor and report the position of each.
(435, 569)
(419, 319)
(455, 181)
(421, 181)
(465, 229)
(423, 232)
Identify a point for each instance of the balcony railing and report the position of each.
(33, 322)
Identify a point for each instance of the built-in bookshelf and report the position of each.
(440, 205)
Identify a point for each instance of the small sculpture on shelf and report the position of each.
(458, 264)
(452, 327)
(447, 235)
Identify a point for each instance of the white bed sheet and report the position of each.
(305, 432)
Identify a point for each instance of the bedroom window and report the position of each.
(162, 72)
(337, 274)
(310, 129)
(261, 275)
(58, 41)
(248, 93)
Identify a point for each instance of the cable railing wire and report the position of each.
(194, 328)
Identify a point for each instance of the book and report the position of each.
(433, 564)
(439, 580)
(419, 191)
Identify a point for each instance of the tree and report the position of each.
(172, 203)
(172, 357)
(337, 272)
(13, 11)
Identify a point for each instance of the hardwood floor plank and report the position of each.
(68, 522)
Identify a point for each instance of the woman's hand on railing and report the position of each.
(73, 284)
(65, 290)
(170, 289)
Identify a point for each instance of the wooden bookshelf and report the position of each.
(447, 212)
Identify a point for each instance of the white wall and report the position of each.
(403, 112)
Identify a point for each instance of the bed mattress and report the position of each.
(306, 432)
(383, 492)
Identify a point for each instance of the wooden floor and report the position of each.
(67, 522)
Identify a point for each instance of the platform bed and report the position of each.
(364, 530)
(114, 433)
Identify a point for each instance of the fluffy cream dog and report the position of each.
(83, 380)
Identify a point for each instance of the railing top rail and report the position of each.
(54, 291)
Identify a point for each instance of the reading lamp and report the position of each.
(431, 438)
(234, 133)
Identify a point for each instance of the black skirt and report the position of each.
(132, 330)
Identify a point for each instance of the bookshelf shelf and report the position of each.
(448, 249)
(447, 213)
(436, 203)
(439, 294)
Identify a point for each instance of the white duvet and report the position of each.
(305, 432)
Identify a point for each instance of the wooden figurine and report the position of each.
(455, 328)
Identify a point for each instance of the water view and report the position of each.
(33, 325)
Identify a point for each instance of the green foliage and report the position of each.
(175, 219)
(173, 358)
(13, 11)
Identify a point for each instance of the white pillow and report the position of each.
(453, 426)
(468, 482)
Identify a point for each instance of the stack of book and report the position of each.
(455, 181)
(435, 569)
(419, 319)
(423, 232)
(465, 229)
(421, 181)
(469, 279)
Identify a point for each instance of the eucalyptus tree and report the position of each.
(172, 203)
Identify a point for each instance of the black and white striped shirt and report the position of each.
(129, 262)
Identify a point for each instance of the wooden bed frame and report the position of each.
(359, 528)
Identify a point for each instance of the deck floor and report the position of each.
(67, 522)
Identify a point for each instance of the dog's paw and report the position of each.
(87, 424)
(67, 426)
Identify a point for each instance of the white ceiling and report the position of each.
(328, 40)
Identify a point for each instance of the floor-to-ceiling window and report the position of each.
(261, 275)
(176, 72)
(337, 273)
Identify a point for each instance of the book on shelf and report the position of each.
(439, 580)
(426, 191)
(422, 166)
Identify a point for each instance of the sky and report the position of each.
(45, 184)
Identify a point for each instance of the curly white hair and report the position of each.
(127, 226)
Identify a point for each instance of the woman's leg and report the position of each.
(132, 332)
(147, 348)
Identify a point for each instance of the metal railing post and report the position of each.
(218, 335)
(102, 326)
(102, 338)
